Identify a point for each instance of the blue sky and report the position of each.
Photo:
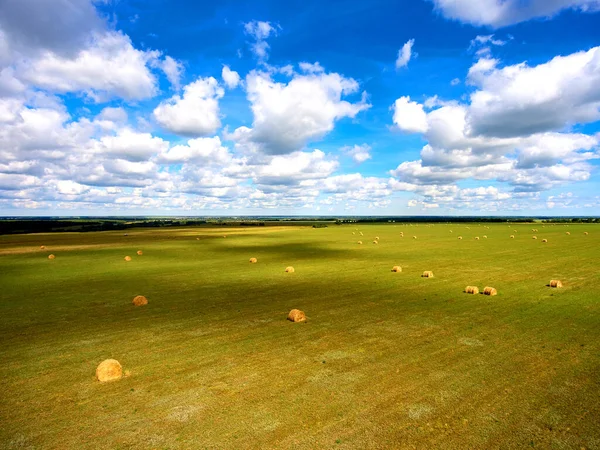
(436, 107)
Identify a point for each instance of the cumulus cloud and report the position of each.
(196, 112)
(110, 66)
(409, 116)
(404, 54)
(289, 115)
(499, 14)
(260, 32)
(173, 69)
(230, 77)
(206, 151)
(359, 153)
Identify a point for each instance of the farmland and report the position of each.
(384, 360)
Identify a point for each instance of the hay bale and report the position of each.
(450, 231)
(42, 247)
(296, 315)
(534, 237)
(544, 240)
(360, 242)
(197, 239)
(51, 256)
(556, 283)
(414, 237)
(127, 258)
(484, 236)
(375, 242)
(139, 300)
(109, 370)
(376, 238)
(253, 260)
(490, 291)
(289, 269)
(140, 253)
(361, 233)
(568, 233)
(353, 233)
(427, 274)
(460, 238)
(472, 290)
(224, 236)
(585, 232)
(396, 269)
(476, 238)
(512, 236)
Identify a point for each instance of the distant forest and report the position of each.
(84, 224)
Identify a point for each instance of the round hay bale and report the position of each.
(296, 315)
(109, 370)
(534, 237)
(514, 231)
(289, 269)
(396, 269)
(414, 237)
(568, 233)
(361, 233)
(376, 242)
(472, 290)
(51, 256)
(360, 242)
(460, 238)
(353, 233)
(476, 238)
(140, 253)
(490, 291)
(585, 232)
(127, 258)
(512, 236)
(42, 247)
(253, 260)
(197, 239)
(544, 240)
(450, 231)
(427, 274)
(556, 283)
(376, 238)
(484, 236)
(139, 300)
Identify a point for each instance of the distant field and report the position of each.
(385, 360)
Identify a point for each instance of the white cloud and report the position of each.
(498, 14)
(196, 112)
(131, 146)
(455, 81)
(173, 69)
(110, 66)
(200, 150)
(404, 54)
(296, 167)
(409, 116)
(230, 77)
(260, 32)
(519, 99)
(289, 115)
(359, 153)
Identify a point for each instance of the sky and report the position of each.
(222, 107)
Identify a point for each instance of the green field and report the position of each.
(385, 360)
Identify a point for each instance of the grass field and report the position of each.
(385, 360)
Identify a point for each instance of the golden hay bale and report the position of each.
(376, 238)
(460, 238)
(414, 237)
(396, 269)
(476, 238)
(353, 233)
(512, 236)
(296, 315)
(139, 300)
(544, 240)
(375, 242)
(568, 232)
(427, 274)
(253, 260)
(51, 256)
(42, 247)
(109, 370)
(450, 231)
(490, 291)
(472, 290)
(127, 258)
(224, 236)
(534, 237)
(585, 232)
(289, 269)
(197, 239)
(484, 236)
(360, 242)
(140, 253)
(361, 233)
(556, 283)
(514, 231)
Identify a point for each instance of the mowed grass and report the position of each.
(385, 360)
